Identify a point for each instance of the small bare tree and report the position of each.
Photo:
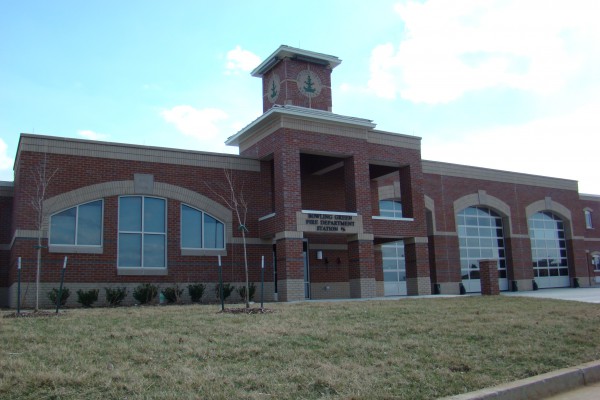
(233, 196)
(41, 181)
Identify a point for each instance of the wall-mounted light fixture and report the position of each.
(319, 254)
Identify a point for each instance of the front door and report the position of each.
(394, 269)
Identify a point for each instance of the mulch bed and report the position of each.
(245, 310)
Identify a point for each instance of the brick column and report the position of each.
(288, 195)
(358, 189)
(290, 269)
(444, 257)
(578, 263)
(416, 253)
(361, 269)
(520, 269)
(488, 272)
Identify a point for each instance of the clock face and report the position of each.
(273, 88)
(309, 83)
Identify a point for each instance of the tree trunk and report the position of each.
(37, 273)
(247, 299)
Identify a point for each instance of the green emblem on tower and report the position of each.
(273, 90)
(273, 87)
(309, 83)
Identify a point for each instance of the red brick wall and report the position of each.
(444, 190)
(76, 172)
(288, 70)
(323, 192)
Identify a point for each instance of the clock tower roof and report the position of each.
(295, 54)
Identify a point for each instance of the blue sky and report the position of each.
(510, 85)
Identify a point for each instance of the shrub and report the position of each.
(227, 290)
(172, 294)
(53, 295)
(87, 298)
(145, 293)
(114, 296)
(196, 291)
(251, 290)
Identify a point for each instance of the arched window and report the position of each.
(77, 226)
(481, 236)
(548, 250)
(200, 230)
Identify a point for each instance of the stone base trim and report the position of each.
(362, 288)
(329, 290)
(523, 285)
(449, 288)
(418, 286)
(290, 289)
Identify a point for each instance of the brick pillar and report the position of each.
(578, 263)
(416, 253)
(520, 269)
(488, 272)
(290, 269)
(358, 189)
(444, 250)
(288, 192)
(361, 269)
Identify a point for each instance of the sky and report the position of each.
(511, 85)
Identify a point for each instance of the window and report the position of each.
(548, 245)
(142, 232)
(200, 230)
(588, 219)
(390, 208)
(481, 236)
(77, 226)
(596, 262)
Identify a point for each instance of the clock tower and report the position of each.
(297, 77)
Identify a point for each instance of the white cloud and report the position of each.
(6, 163)
(239, 59)
(450, 48)
(200, 124)
(92, 135)
(561, 146)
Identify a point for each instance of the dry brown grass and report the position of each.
(408, 349)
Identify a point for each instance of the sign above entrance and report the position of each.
(329, 222)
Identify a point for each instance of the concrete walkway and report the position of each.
(577, 383)
(567, 383)
(586, 295)
(590, 392)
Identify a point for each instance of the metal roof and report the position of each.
(291, 52)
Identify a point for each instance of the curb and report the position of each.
(540, 386)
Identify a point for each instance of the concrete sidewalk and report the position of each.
(577, 383)
(586, 295)
(557, 385)
(590, 392)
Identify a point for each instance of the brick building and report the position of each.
(337, 208)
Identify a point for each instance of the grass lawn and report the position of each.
(407, 349)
